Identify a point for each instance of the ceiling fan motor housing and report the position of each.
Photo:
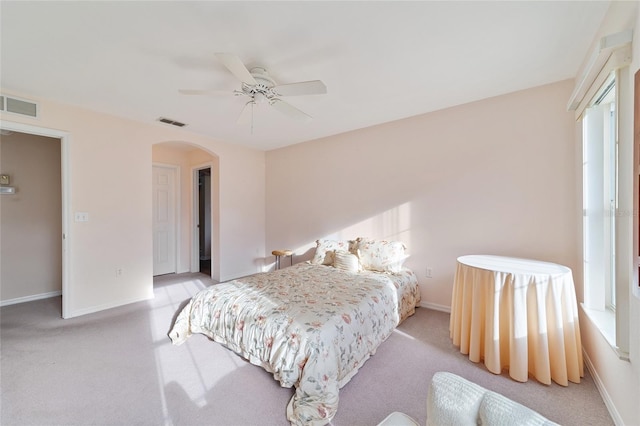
(263, 90)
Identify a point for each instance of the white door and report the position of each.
(164, 220)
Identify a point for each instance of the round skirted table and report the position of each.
(517, 314)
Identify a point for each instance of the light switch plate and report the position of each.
(4, 180)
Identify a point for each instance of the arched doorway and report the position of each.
(188, 160)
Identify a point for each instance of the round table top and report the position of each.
(513, 265)
(282, 252)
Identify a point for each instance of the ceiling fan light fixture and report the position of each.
(259, 98)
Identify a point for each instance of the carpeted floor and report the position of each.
(118, 367)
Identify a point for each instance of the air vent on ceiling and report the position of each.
(18, 106)
(170, 121)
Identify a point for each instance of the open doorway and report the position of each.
(34, 162)
(198, 230)
(203, 224)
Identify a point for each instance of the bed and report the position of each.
(311, 325)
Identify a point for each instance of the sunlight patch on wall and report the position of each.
(393, 225)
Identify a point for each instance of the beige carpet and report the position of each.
(118, 367)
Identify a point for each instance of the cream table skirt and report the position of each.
(518, 314)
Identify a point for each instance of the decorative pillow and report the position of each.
(346, 261)
(327, 246)
(381, 255)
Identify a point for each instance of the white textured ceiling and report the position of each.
(381, 61)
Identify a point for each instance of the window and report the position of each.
(607, 223)
(600, 170)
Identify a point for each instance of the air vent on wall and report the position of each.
(18, 106)
(170, 121)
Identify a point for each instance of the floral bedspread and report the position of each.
(312, 326)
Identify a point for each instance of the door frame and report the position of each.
(65, 142)
(195, 209)
(176, 209)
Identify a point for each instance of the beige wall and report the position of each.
(109, 163)
(30, 219)
(493, 177)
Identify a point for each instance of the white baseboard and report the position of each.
(30, 298)
(613, 412)
(436, 307)
(238, 275)
(103, 307)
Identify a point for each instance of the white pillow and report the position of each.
(323, 247)
(381, 255)
(346, 261)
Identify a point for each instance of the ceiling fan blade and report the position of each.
(246, 115)
(290, 110)
(204, 92)
(314, 87)
(237, 68)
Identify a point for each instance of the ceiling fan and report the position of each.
(260, 88)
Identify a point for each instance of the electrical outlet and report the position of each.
(429, 272)
(81, 217)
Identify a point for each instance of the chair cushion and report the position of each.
(496, 409)
(453, 400)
